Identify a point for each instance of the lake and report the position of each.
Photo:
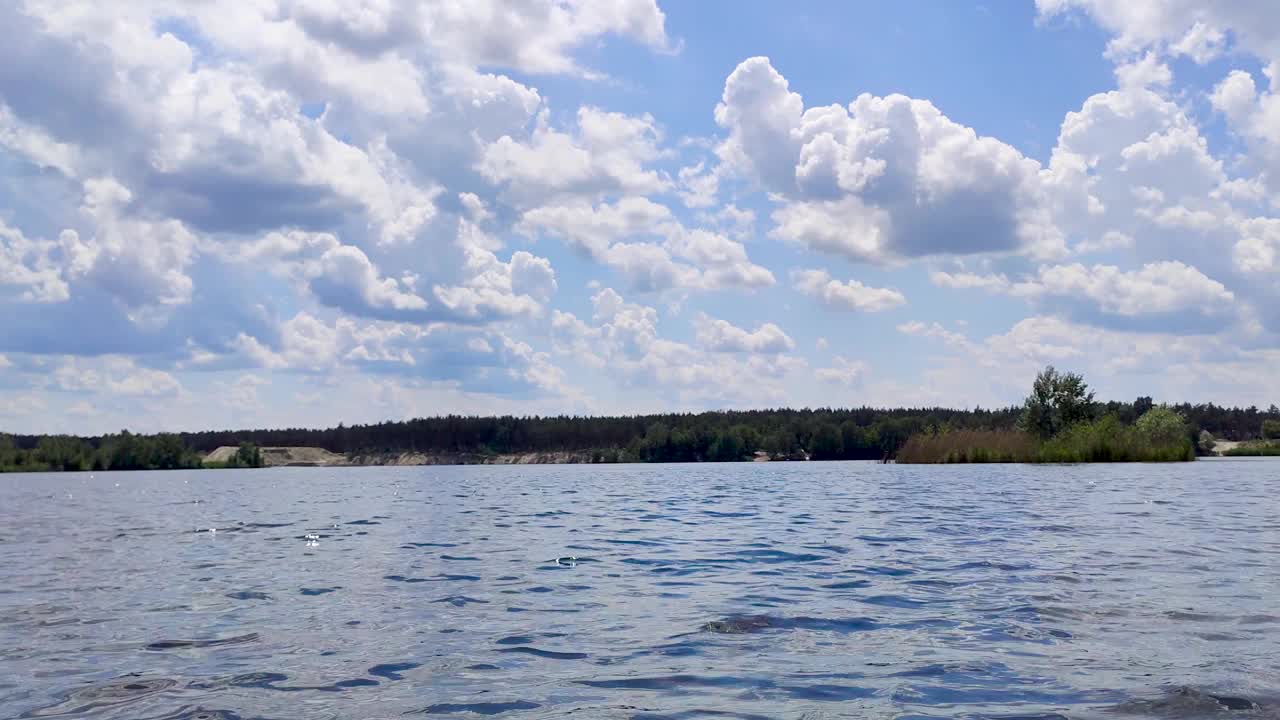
(780, 590)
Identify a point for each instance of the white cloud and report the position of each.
(623, 339)
(347, 279)
(849, 295)
(715, 261)
(607, 155)
(969, 281)
(538, 36)
(592, 230)
(722, 336)
(1162, 287)
(27, 265)
(842, 372)
(1145, 72)
(886, 177)
(131, 380)
(934, 330)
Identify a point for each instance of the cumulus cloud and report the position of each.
(623, 338)
(722, 336)
(847, 295)
(886, 177)
(1163, 287)
(843, 371)
(608, 234)
(607, 154)
(346, 279)
(27, 267)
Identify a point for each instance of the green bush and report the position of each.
(1271, 429)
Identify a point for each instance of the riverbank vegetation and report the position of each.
(862, 433)
(124, 451)
(1061, 423)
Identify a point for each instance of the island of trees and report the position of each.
(1060, 422)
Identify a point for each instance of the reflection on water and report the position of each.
(808, 590)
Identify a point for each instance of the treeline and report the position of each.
(821, 434)
(125, 451)
(861, 433)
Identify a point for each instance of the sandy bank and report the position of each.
(319, 457)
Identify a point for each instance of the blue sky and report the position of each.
(301, 212)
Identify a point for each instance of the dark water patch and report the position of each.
(461, 601)
(779, 556)
(318, 591)
(209, 643)
(549, 654)
(666, 682)
(443, 577)
(886, 571)
(1187, 702)
(703, 713)
(716, 514)
(887, 539)
(97, 698)
(989, 565)
(197, 713)
(1259, 620)
(363, 522)
(271, 681)
(391, 671)
(482, 666)
(429, 545)
(895, 601)
(248, 595)
(478, 708)
(460, 558)
(1196, 616)
(746, 624)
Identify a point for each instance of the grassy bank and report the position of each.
(1104, 440)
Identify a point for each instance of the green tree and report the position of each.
(727, 447)
(1271, 429)
(1057, 401)
(1161, 425)
(248, 455)
(826, 444)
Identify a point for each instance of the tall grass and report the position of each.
(970, 446)
(1104, 440)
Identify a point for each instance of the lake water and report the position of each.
(806, 590)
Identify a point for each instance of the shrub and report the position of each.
(1271, 429)
(969, 446)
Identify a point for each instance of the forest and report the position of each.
(821, 434)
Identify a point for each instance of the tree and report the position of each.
(247, 455)
(727, 447)
(1057, 401)
(1161, 425)
(1271, 429)
(826, 443)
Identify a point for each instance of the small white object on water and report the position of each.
(312, 537)
(569, 561)
(213, 530)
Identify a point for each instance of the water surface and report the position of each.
(814, 590)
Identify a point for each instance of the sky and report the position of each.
(266, 213)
